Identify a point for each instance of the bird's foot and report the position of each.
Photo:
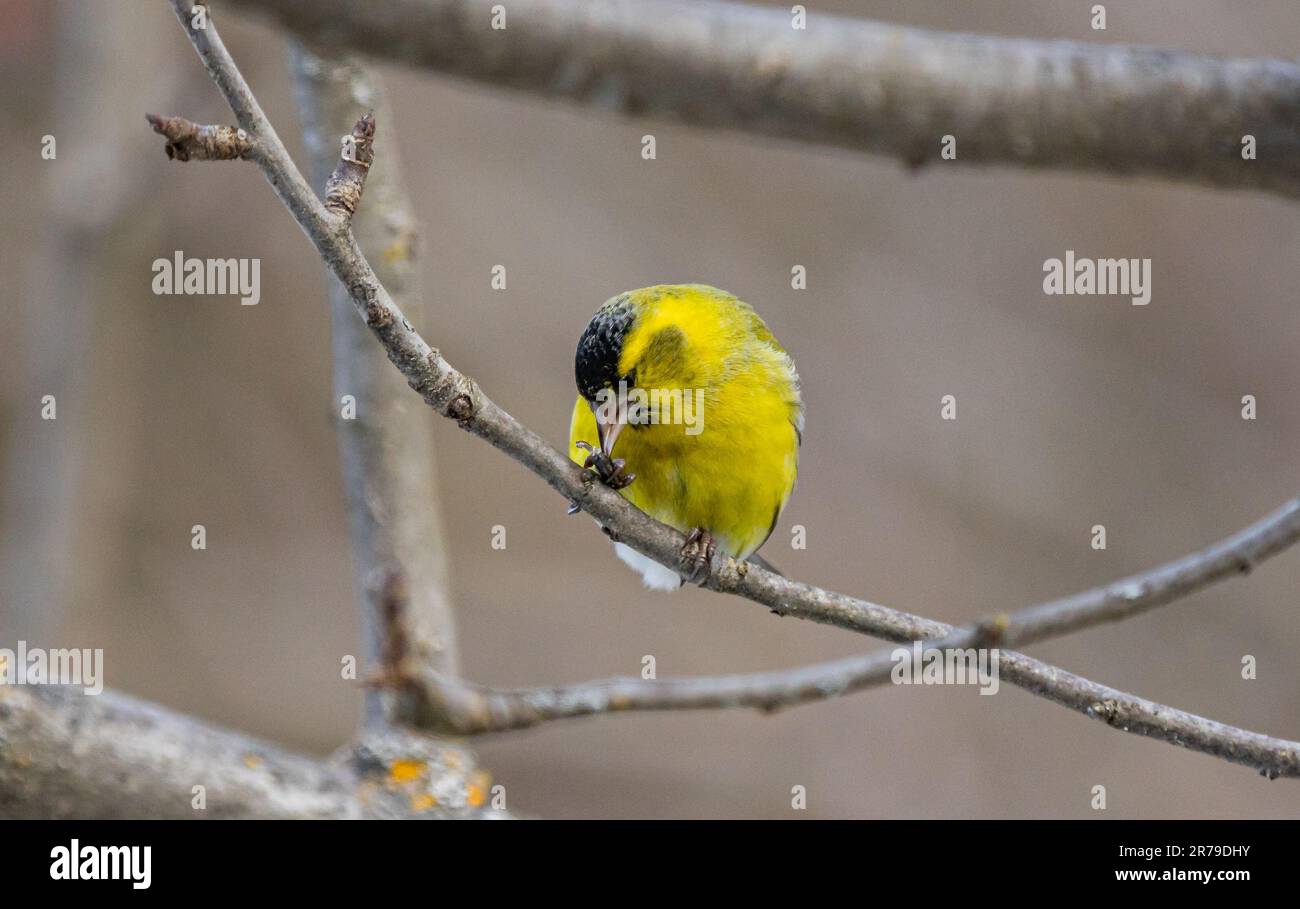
(697, 555)
(608, 470)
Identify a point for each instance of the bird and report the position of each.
(690, 408)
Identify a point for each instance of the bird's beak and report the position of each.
(611, 417)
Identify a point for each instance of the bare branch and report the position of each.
(867, 86)
(472, 709)
(67, 754)
(386, 447)
(265, 149)
(476, 709)
(458, 397)
(1272, 757)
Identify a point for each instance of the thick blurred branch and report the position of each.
(866, 86)
(456, 396)
(67, 754)
(386, 440)
(70, 755)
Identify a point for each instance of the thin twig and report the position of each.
(867, 86)
(477, 709)
(770, 690)
(472, 709)
(456, 396)
(188, 140)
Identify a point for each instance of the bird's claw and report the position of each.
(607, 469)
(697, 555)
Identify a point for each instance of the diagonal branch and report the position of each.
(866, 86)
(456, 396)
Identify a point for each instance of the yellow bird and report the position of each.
(683, 390)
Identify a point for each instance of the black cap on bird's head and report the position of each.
(596, 366)
(601, 346)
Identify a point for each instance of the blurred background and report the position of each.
(1072, 411)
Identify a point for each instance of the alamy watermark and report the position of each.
(923, 665)
(1102, 277)
(200, 277)
(62, 666)
(75, 862)
(653, 406)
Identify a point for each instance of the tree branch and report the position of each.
(67, 754)
(71, 755)
(456, 396)
(473, 709)
(386, 448)
(477, 709)
(866, 86)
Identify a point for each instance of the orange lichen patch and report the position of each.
(252, 761)
(476, 792)
(406, 771)
(475, 796)
(423, 802)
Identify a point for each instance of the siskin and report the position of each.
(683, 390)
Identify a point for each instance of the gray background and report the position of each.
(1072, 411)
